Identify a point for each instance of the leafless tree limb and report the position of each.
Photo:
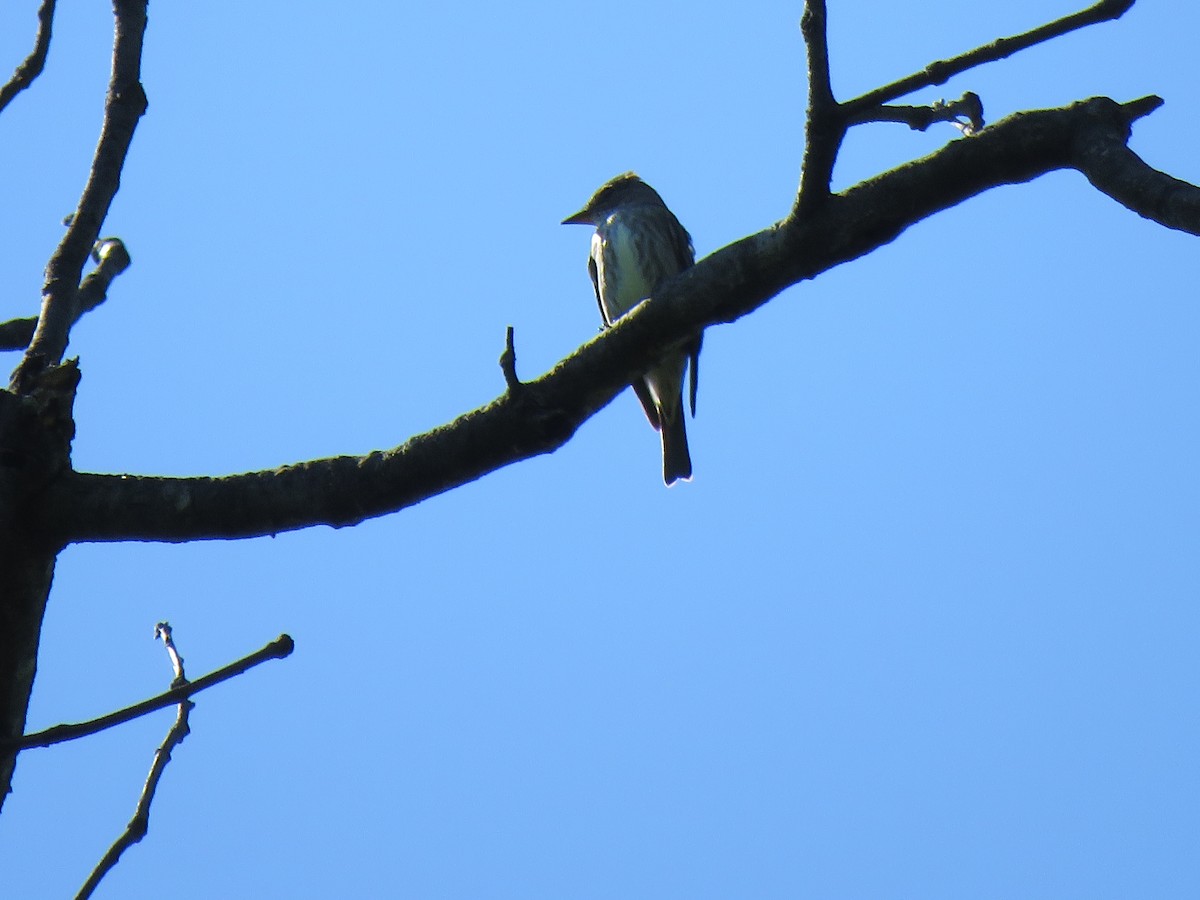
(508, 362)
(124, 105)
(279, 648)
(181, 691)
(111, 258)
(942, 71)
(919, 118)
(1120, 173)
(15, 334)
(545, 413)
(139, 825)
(828, 120)
(32, 67)
(36, 421)
(824, 126)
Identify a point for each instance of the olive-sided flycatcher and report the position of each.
(637, 246)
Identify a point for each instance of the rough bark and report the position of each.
(35, 447)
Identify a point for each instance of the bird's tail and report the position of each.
(677, 462)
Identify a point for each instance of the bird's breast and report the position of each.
(620, 270)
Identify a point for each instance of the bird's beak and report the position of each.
(583, 217)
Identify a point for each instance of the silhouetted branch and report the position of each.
(139, 825)
(112, 259)
(279, 648)
(828, 120)
(1119, 172)
(824, 125)
(32, 67)
(919, 118)
(15, 334)
(940, 72)
(124, 105)
(545, 413)
(508, 361)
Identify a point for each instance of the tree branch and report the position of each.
(112, 259)
(545, 413)
(279, 648)
(508, 362)
(139, 825)
(919, 118)
(32, 67)
(124, 105)
(942, 71)
(825, 125)
(15, 334)
(1116, 170)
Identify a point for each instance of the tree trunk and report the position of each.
(35, 444)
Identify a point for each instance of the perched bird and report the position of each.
(637, 246)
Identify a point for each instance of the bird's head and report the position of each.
(624, 190)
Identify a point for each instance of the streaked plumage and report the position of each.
(639, 244)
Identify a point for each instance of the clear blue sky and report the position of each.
(924, 624)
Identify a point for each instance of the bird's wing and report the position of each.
(685, 253)
(596, 287)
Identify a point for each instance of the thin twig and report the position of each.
(508, 362)
(940, 72)
(32, 67)
(124, 105)
(919, 118)
(163, 630)
(112, 259)
(139, 825)
(277, 649)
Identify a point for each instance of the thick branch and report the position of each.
(123, 106)
(1119, 172)
(544, 414)
(35, 440)
(32, 67)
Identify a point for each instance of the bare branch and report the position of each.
(1119, 172)
(545, 413)
(828, 120)
(124, 105)
(919, 118)
(112, 259)
(508, 362)
(32, 67)
(279, 648)
(940, 72)
(139, 825)
(163, 630)
(825, 126)
(15, 334)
